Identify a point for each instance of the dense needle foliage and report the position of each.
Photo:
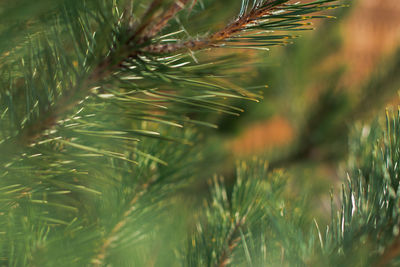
(105, 111)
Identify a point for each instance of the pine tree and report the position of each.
(105, 142)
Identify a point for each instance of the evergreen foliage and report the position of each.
(103, 147)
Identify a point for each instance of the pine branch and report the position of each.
(247, 23)
(104, 70)
(231, 243)
(98, 260)
(162, 21)
(236, 224)
(114, 61)
(368, 217)
(50, 117)
(91, 78)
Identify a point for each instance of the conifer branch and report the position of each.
(167, 15)
(111, 237)
(35, 130)
(216, 38)
(231, 243)
(125, 49)
(251, 21)
(147, 17)
(246, 21)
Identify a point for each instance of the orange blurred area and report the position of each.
(371, 32)
(262, 136)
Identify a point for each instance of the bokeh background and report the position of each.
(317, 90)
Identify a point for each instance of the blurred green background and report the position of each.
(315, 90)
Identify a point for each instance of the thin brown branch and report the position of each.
(36, 129)
(98, 260)
(215, 39)
(231, 243)
(241, 23)
(161, 22)
(147, 18)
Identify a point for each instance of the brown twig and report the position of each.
(160, 23)
(33, 131)
(147, 18)
(231, 243)
(98, 260)
(216, 38)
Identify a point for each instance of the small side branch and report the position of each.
(215, 39)
(160, 23)
(98, 260)
(231, 243)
